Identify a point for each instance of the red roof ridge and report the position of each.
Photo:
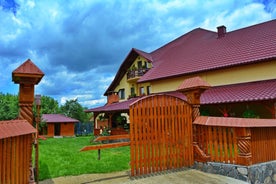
(180, 37)
(144, 54)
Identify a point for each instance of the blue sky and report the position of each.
(80, 44)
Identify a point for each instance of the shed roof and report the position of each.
(234, 122)
(58, 118)
(15, 128)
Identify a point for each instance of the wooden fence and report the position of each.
(234, 140)
(15, 151)
(263, 144)
(160, 134)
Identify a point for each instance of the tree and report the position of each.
(73, 109)
(49, 105)
(9, 107)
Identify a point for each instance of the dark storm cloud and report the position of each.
(79, 45)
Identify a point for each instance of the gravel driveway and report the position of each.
(178, 177)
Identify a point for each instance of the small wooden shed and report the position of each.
(15, 151)
(59, 125)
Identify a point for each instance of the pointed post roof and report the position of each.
(28, 72)
(193, 83)
(192, 88)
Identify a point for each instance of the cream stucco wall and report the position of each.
(239, 74)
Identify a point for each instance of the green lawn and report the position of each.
(61, 157)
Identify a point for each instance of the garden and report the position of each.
(62, 157)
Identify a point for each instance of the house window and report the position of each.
(140, 64)
(146, 65)
(142, 91)
(132, 92)
(121, 93)
(148, 90)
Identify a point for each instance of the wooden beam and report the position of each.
(104, 146)
(112, 137)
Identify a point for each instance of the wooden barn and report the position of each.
(59, 125)
(16, 151)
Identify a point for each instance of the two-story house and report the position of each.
(239, 65)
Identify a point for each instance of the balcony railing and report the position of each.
(136, 73)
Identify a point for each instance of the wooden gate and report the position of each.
(160, 134)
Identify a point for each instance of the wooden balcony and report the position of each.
(134, 75)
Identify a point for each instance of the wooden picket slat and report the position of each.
(231, 146)
(225, 145)
(161, 134)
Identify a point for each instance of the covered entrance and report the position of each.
(160, 134)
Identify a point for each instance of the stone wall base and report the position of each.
(255, 174)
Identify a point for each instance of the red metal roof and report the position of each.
(252, 91)
(144, 54)
(202, 50)
(58, 118)
(234, 122)
(119, 106)
(14, 128)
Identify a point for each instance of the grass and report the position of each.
(61, 157)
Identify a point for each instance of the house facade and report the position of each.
(239, 65)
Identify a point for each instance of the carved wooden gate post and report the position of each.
(192, 88)
(27, 75)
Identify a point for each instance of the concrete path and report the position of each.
(188, 176)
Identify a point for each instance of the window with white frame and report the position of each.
(148, 90)
(142, 91)
(121, 93)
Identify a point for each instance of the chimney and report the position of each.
(221, 31)
(112, 97)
